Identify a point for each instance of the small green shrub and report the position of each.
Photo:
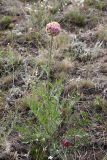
(101, 5)
(75, 17)
(5, 22)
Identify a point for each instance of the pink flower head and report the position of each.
(53, 28)
(66, 143)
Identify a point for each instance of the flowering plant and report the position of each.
(53, 28)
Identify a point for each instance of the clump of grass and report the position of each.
(37, 151)
(83, 86)
(36, 38)
(100, 104)
(66, 66)
(93, 20)
(86, 87)
(74, 17)
(6, 81)
(5, 22)
(102, 33)
(70, 88)
(101, 5)
(9, 62)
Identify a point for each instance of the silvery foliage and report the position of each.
(80, 48)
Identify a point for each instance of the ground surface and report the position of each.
(79, 59)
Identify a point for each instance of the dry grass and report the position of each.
(102, 32)
(7, 81)
(86, 87)
(78, 76)
(66, 65)
(100, 104)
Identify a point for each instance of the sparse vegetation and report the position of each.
(102, 33)
(74, 17)
(53, 80)
(101, 5)
(5, 22)
(100, 104)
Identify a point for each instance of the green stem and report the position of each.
(49, 66)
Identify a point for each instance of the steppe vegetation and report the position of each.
(53, 85)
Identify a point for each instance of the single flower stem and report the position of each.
(49, 66)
